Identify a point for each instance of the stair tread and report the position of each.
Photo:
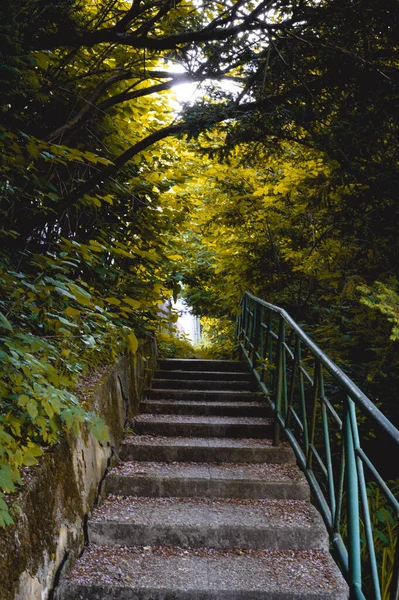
(203, 449)
(202, 419)
(178, 402)
(158, 440)
(209, 392)
(199, 380)
(229, 374)
(192, 522)
(216, 442)
(207, 512)
(264, 472)
(165, 572)
(193, 364)
(203, 361)
(229, 378)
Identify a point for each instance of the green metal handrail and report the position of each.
(328, 421)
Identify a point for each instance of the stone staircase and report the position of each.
(201, 505)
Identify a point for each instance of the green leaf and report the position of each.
(31, 408)
(66, 322)
(31, 454)
(65, 293)
(5, 323)
(99, 429)
(5, 517)
(81, 295)
(8, 478)
(382, 537)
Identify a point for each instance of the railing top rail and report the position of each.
(349, 386)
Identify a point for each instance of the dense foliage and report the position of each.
(304, 210)
(108, 199)
(80, 279)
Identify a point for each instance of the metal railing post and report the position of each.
(257, 311)
(279, 380)
(352, 487)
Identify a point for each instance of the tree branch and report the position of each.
(230, 111)
(110, 170)
(80, 116)
(134, 11)
(169, 42)
(153, 89)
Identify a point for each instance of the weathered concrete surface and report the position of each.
(200, 384)
(226, 409)
(204, 375)
(204, 395)
(59, 492)
(176, 574)
(216, 523)
(203, 426)
(194, 449)
(195, 364)
(207, 481)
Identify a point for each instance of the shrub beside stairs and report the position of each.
(202, 505)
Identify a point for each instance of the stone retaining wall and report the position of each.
(59, 492)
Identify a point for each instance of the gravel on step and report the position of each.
(213, 420)
(164, 510)
(260, 471)
(159, 440)
(220, 404)
(207, 393)
(303, 572)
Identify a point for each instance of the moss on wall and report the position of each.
(51, 496)
(59, 492)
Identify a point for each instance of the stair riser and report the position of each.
(204, 396)
(202, 365)
(201, 454)
(119, 592)
(204, 375)
(176, 384)
(224, 537)
(204, 430)
(204, 409)
(158, 487)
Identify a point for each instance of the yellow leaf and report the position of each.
(71, 312)
(175, 257)
(42, 60)
(92, 200)
(132, 343)
(113, 301)
(132, 303)
(65, 353)
(81, 295)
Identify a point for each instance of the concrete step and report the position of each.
(193, 449)
(203, 395)
(189, 480)
(109, 573)
(204, 375)
(203, 426)
(196, 523)
(198, 384)
(227, 409)
(195, 364)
